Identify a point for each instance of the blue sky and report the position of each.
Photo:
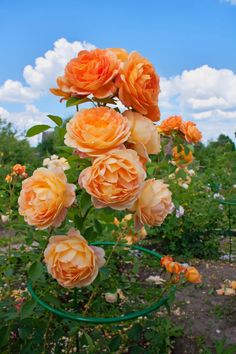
(191, 43)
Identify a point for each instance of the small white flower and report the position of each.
(110, 297)
(172, 176)
(179, 212)
(191, 172)
(234, 186)
(218, 196)
(184, 185)
(4, 218)
(57, 162)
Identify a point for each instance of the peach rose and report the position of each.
(192, 275)
(95, 131)
(170, 124)
(120, 53)
(153, 204)
(191, 132)
(93, 72)
(181, 158)
(114, 180)
(144, 137)
(45, 197)
(138, 85)
(65, 89)
(71, 261)
(18, 169)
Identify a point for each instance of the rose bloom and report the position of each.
(174, 267)
(120, 53)
(181, 158)
(93, 72)
(192, 275)
(114, 180)
(95, 131)
(8, 178)
(170, 124)
(191, 132)
(45, 197)
(18, 169)
(153, 204)
(138, 85)
(165, 260)
(71, 261)
(144, 137)
(65, 89)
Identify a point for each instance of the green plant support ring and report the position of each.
(105, 320)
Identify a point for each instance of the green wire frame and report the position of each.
(105, 320)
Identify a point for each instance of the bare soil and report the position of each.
(206, 317)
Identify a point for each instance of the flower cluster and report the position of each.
(187, 130)
(17, 170)
(190, 273)
(112, 72)
(117, 146)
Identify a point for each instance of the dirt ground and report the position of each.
(206, 317)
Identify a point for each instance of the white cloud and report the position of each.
(232, 2)
(24, 120)
(40, 77)
(203, 94)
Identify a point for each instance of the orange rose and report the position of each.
(8, 178)
(18, 169)
(120, 53)
(139, 86)
(71, 261)
(93, 72)
(153, 204)
(65, 89)
(95, 131)
(45, 197)
(170, 124)
(192, 275)
(174, 267)
(165, 260)
(191, 132)
(114, 180)
(181, 158)
(144, 137)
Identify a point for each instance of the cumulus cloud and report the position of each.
(24, 120)
(206, 95)
(40, 77)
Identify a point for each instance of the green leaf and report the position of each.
(52, 299)
(98, 226)
(27, 309)
(89, 340)
(56, 119)
(85, 202)
(135, 331)
(105, 100)
(35, 270)
(115, 343)
(4, 336)
(90, 234)
(76, 101)
(37, 129)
